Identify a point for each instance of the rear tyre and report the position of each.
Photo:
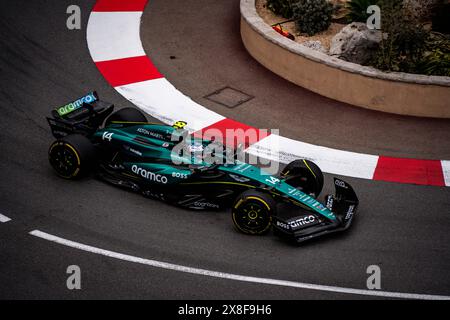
(72, 156)
(126, 115)
(252, 212)
(304, 175)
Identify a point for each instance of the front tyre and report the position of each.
(252, 212)
(72, 156)
(304, 175)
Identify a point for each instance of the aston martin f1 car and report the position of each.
(124, 149)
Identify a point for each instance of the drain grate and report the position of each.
(229, 97)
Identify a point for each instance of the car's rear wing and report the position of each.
(84, 115)
(75, 105)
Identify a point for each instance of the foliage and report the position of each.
(281, 7)
(312, 16)
(406, 46)
(436, 61)
(358, 10)
(421, 9)
(404, 41)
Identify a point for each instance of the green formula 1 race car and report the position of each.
(159, 161)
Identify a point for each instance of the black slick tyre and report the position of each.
(72, 156)
(252, 212)
(304, 175)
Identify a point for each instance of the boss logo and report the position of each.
(179, 175)
(282, 225)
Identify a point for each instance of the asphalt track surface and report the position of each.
(401, 228)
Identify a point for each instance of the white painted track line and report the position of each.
(230, 276)
(162, 100)
(446, 171)
(284, 150)
(4, 219)
(114, 35)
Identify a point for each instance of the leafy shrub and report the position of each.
(281, 7)
(405, 40)
(421, 9)
(340, 12)
(358, 10)
(312, 16)
(436, 61)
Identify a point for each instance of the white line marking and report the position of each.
(162, 100)
(229, 276)
(284, 150)
(114, 35)
(446, 170)
(4, 219)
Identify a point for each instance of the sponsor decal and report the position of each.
(319, 206)
(350, 212)
(195, 148)
(179, 175)
(150, 133)
(341, 184)
(68, 108)
(302, 221)
(242, 167)
(283, 225)
(239, 178)
(206, 204)
(156, 135)
(298, 194)
(149, 175)
(136, 152)
(330, 202)
(143, 131)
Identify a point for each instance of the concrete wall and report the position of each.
(366, 87)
